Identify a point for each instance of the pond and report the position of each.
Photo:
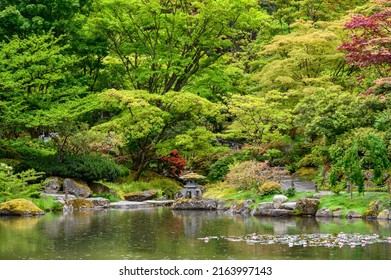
(161, 233)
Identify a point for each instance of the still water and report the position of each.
(161, 233)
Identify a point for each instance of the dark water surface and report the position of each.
(161, 233)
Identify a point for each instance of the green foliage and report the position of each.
(109, 196)
(18, 185)
(47, 204)
(220, 168)
(269, 188)
(161, 46)
(251, 175)
(88, 168)
(289, 192)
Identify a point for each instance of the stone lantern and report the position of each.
(191, 189)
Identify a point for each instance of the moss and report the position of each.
(81, 203)
(20, 207)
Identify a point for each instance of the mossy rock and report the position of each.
(373, 210)
(81, 204)
(53, 184)
(77, 187)
(20, 207)
(307, 206)
(141, 196)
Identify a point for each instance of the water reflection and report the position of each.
(164, 234)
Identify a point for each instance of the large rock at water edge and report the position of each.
(99, 202)
(307, 206)
(324, 212)
(80, 204)
(384, 215)
(53, 184)
(77, 187)
(195, 204)
(353, 215)
(289, 205)
(278, 200)
(141, 196)
(265, 205)
(274, 213)
(373, 210)
(241, 207)
(20, 207)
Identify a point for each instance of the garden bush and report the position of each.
(251, 174)
(220, 168)
(88, 168)
(270, 187)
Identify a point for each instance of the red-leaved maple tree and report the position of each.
(173, 164)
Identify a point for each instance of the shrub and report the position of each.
(18, 185)
(88, 168)
(290, 192)
(220, 168)
(269, 188)
(250, 174)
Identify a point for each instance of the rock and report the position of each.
(353, 215)
(195, 204)
(222, 205)
(324, 212)
(265, 205)
(274, 213)
(81, 204)
(278, 200)
(337, 213)
(20, 207)
(307, 206)
(318, 195)
(77, 187)
(372, 211)
(99, 202)
(241, 207)
(384, 215)
(100, 188)
(288, 205)
(141, 196)
(53, 184)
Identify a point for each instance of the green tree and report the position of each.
(161, 45)
(354, 157)
(148, 121)
(35, 74)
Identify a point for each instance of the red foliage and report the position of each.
(173, 164)
(372, 45)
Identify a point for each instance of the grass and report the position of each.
(165, 187)
(47, 204)
(358, 203)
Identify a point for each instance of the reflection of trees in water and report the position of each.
(18, 236)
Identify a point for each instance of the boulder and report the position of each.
(53, 184)
(80, 204)
(100, 188)
(195, 204)
(141, 196)
(241, 207)
(337, 213)
(274, 213)
(77, 187)
(384, 215)
(265, 205)
(20, 207)
(353, 215)
(222, 205)
(278, 200)
(324, 212)
(99, 202)
(307, 206)
(288, 205)
(372, 211)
